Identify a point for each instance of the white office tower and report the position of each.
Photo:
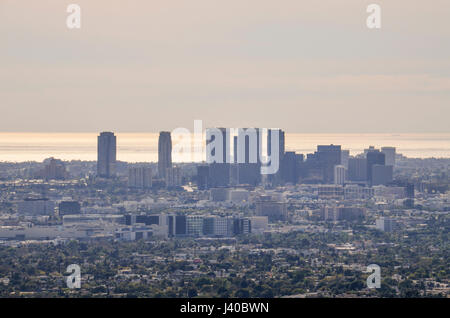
(389, 153)
(140, 177)
(339, 174)
(386, 224)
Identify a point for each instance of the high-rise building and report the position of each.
(164, 153)
(203, 177)
(219, 164)
(381, 175)
(249, 173)
(357, 169)
(208, 225)
(220, 227)
(345, 155)
(276, 177)
(339, 174)
(249, 145)
(311, 170)
(173, 177)
(53, 170)
(221, 140)
(242, 226)
(374, 157)
(410, 194)
(219, 174)
(194, 225)
(371, 148)
(281, 143)
(106, 155)
(290, 167)
(327, 157)
(140, 177)
(389, 153)
(177, 225)
(249, 162)
(234, 174)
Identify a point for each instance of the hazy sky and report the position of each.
(306, 66)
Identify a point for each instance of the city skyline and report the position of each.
(241, 157)
(245, 154)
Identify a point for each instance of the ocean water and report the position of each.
(143, 147)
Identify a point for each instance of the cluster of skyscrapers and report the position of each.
(238, 160)
(328, 165)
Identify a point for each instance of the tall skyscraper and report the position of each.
(281, 143)
(173, 177)
(248, 151)
(219, 165)
(203, 177)
(251, 144)
(223, 145)
(371, 148)
(374, 157)
(106, 155)
(381, 175)
(410, 194)
(328, 156)
(278, 176)
(389, 152)
(357, 169)
(164, 153)
(345, 155)
(290, 167)
(339, 174)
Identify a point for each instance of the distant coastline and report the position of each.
(142, 147)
